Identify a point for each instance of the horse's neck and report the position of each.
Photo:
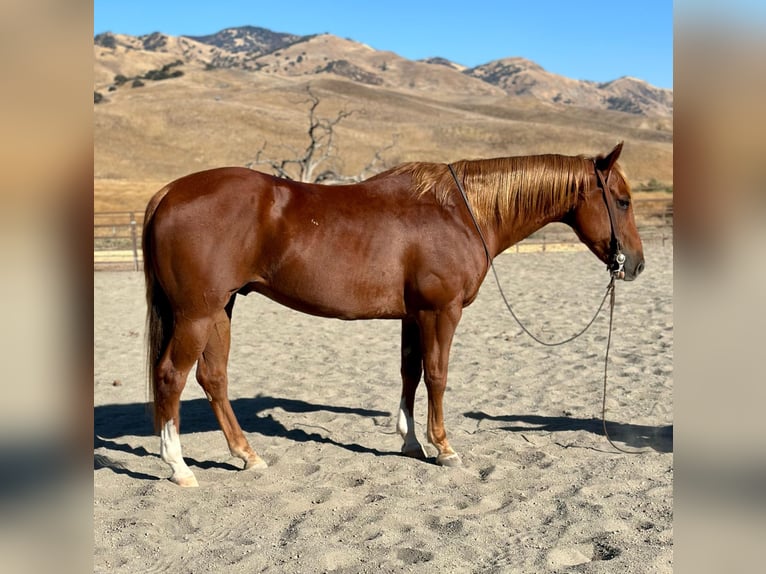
(511, 230)
(518, 214)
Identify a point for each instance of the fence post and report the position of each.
(133, 237)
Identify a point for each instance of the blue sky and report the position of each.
(597, 40)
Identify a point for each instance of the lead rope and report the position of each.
(606, 368)
(609, 291)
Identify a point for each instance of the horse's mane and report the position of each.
(503, 189)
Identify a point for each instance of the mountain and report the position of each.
(258, 49)
(250, 39)
(632, 95)
(522, 77)
(169, 105)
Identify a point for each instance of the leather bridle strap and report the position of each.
(617, 258)
(470, 212)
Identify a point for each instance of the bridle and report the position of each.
(616, 264)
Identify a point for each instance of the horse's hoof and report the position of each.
(186, 481)
(416, 452)
(255, 463)
(451, 460)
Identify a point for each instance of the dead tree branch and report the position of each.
(320, 151)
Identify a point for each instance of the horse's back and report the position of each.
(351, 251)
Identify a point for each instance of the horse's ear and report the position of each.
(605, 164)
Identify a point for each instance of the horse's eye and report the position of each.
(623, 203)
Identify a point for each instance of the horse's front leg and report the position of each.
(437, 330)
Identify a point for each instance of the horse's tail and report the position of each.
(159, 314)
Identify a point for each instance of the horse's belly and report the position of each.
(332, 288)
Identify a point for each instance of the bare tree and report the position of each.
(314, 163)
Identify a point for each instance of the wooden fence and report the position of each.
(117, 240)
(117, 234)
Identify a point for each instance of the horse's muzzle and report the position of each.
(632, 270)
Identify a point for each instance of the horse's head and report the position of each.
(603, 218)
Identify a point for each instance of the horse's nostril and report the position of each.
(640, 268)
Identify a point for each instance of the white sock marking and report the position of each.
(405, 424)
(170, 450)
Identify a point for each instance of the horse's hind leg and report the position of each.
(189, 338)
(212, 376)
(412, 370)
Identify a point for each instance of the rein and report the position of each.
(616, 272)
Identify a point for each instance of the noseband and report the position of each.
(616, 265)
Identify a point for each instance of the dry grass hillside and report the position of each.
(214, 116)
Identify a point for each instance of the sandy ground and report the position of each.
(540, 490)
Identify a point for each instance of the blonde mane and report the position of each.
(505, 189)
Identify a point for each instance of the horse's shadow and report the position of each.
(112, 422)
(658, 438)
(115, 421)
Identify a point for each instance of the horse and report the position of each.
(413, 243)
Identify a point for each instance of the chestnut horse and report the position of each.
(405, 244)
